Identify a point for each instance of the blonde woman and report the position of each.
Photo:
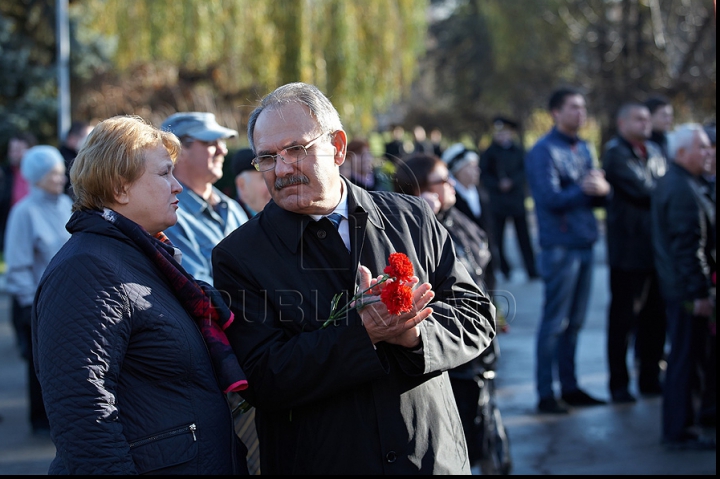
(129, 348)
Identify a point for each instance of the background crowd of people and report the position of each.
(146, 210)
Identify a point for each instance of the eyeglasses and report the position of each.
(442, 181)
(289, 155)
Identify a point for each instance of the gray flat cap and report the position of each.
(198, 125)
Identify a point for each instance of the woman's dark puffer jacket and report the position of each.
(127, 380)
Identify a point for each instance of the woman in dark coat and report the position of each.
(425, 175)
(130, 351)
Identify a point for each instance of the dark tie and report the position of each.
(335, 218)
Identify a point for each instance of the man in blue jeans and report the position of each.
(565, 187)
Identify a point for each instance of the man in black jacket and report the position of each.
(632, 166)
(503, 173)
(683, 220)
(662, 117)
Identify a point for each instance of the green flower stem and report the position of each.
(337, 314)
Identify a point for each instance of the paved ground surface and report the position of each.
(612, 439)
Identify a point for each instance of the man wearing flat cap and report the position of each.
(205, 215)
(252, 193)
(503, 170)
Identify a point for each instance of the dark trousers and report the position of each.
(21, 318)
(708, 404)
(523, 236)
(467, 395)
(636, 310)
(687, 335)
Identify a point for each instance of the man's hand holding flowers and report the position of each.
(390, 306)
(400, 329)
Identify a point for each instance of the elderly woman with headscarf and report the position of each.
(34, 233)
(129, 348)
(427, 176)
(472, 199)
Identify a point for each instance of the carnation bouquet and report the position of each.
(395, 292)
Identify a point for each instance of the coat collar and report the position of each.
(572, 140)
(289, 226)
(195, 205)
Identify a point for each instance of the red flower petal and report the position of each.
(399, 267)
(397, 297)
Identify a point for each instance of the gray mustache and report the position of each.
(281, 183)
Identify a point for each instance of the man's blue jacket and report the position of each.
(555, 167)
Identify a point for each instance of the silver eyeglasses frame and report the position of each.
(302, 152)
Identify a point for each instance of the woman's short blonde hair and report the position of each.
(113, 156)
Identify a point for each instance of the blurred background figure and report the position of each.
(13, 187)
(252, 193)
(503, 176)
(427, 176)
(633, 165)
(472, 200)
(395, 149)
(74, 139)
(683, 235)
(206, 215)
(360, 169)
(566, 187)
(710, 171)
(662, 118)
(35, 232)
(436, 140)
(421, 143)
(708, 401)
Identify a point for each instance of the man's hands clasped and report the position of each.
(394, 329)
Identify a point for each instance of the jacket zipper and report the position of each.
(192, 428)
(234, 435)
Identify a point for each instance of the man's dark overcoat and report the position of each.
(497, 163)
(327, 401)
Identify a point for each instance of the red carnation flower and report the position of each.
(397, 297)
(395, 294)
(399, 267)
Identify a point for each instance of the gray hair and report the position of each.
(682, 137)
(309, 95)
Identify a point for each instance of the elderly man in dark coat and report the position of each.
(683, 227)
(369, 394)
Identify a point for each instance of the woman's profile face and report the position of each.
(54, 180)
(469, 174)
(441, 183)
(151, 201)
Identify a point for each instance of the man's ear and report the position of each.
(554, 115)
(240, 182)
(339, 142)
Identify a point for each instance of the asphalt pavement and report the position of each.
(599, 440)
(608, 439)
